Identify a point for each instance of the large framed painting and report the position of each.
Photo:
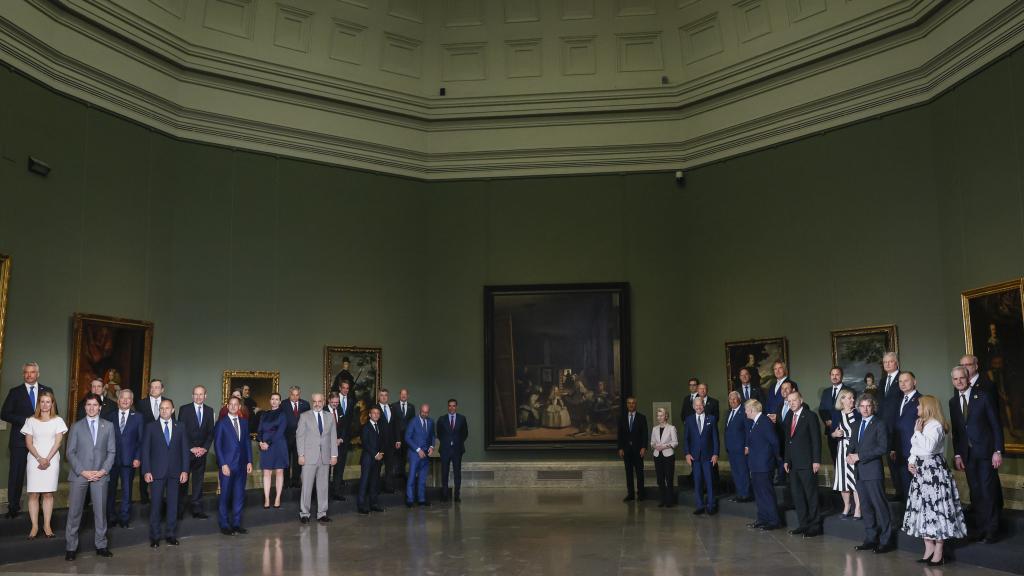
(258, 384)
(5, 276)
(556, 363)
(859, 351)
(994, 332)
(361, 367)
(757, 355)
(114, 350)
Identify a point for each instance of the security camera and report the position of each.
(680, 178)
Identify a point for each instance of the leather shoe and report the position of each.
(865, 546)
(626, 499)
(377, 508)
(69, 556)
(795, 531)
(459, 499)
(424, 503)
(239, 530)
(408, 504)
(200, 515)
(105, 552)
(304, 519)
(812, 533)
(768, 528)
(712, 511)
(226, 531)
(364, 511)
(884, 549)
(988, 540)
(323, 519)
(172, 542)
(154, 543)
(698, 511)
(754, 525)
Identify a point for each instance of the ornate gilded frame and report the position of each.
(5, 276)
(227, 384)
(730, 370)
(892, 342)
(376, 356)
(79, 322)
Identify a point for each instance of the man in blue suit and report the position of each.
(736, 445)
(128, 440)
(762, 457)
(419, 440)
(775, 398)
(978, 449)
(827, 408)
(904, 418)
(234, 455)
(19, 406)
(369, 464)
(165, 465)
(701, 432)
(452, 431)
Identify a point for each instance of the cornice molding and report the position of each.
(624, 133)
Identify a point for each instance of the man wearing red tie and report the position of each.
(803, 459)
(293, 408)
(452, 432)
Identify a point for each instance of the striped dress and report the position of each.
(844, 472)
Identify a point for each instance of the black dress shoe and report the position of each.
(884, 549)
(812, 533)
(754, 525)
(69, 556)
(712, 511)
(154, 543)
(866, 546)
(798, 531)
(698, 511)
(239, 530)
(408, 504)
(323, 519)
(459, 499)
(364, 511)
(377, 508)
(629, 498)
(304, 519)
(425, 503)
(988, 540)
(200, 515)
(105, 552)
(226, 531)
(172, 541)
(768, 528)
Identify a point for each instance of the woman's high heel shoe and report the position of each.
(925, 560)
(940, 562)
(49, 534)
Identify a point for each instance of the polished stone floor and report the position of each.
(505, 532)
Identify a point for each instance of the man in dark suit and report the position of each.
(687, 408)
(234, 457)
(777, 418)
(389, 425)
(977, 379)
(904, 418)
(165, 465)
(978, 450)
(452, 432)
(340, 406)
(293, 408)
(774, 398)
(748, 388)
(107, 406)
(869, 446)
(736, 445)
(197, 419)
(20, 405)
(369, 464)
(711, 407)
(827, 408)
(700, 433)
(803, 459)
(404, 412)
(149, 408)
(419, 441)
(762, 456)
(633, 440)
(128, 444)
(887, 408)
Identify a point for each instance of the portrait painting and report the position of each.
(254, 387)
(114, 350)
(5, 275)
(994, 332)
(755, 355)
(361, 367)
(859, 351)
(556, 361)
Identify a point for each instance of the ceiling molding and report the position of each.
(538, 134)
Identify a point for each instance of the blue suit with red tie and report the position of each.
(234, 450)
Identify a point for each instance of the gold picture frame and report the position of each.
(5, 276)
(262, 384)
(763, 352)
(366, 371)
(859, 351)
(994, 332)
(117, 350)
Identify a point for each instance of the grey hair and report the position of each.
(127, 391)
(295, 389)
(958, 369)
(734, 393)
(892, 355)
(30, 364)
(697, 399)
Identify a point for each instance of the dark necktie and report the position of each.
(835, 392)
(167, 433)
(122, 421)
(731, 414)
(963, 404)
(863, 425)
(238, 430)
(295, 408)
(746, 392)
(319, 423)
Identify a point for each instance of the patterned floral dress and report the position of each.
(933, 504)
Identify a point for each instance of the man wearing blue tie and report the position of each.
(19, 406)
(736, 445)
(234, 455)
(868, 448)
(419, 438)
(128, 442)
(701, 432)
(165, 465)
(452, 431)
(748, 389)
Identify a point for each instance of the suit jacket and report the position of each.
(403, 421)
(389, 428)
(905, 422)
(827, 407)
(687, 408)
(886, 401)
(735, 432)
(803, 447)
(701, 444)
(755, 392)
(980, 434)
(774, 400)
(198, 436)
(291, 418)
(160, 459)
(667, 437)
(634, 439)
(106, 407)
(372, 443)
(348, 424)
(315, 446)
(763, 442)
(872, 447)
(230, 450)
(452, 441)
(416, 437)
(18, 408)
(83, 455)
(129, 442)
(711, 407)
(145, 409)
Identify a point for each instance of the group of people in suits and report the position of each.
(772, 436)
(168, 447)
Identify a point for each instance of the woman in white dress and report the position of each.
(663, 443)
(933, 502)
(846, 483)
(43, 434)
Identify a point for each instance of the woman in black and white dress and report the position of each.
(845, 482)
(933, 501)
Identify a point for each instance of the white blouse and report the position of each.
(927, 442)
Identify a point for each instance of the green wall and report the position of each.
(246, 261)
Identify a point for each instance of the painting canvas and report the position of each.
(261, 385)
(994, 332)
(361, 366)
(114, 350)
(859, 351)
(757, 355)
(5, 275)
(556, 365)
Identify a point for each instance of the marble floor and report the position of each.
(505, 532)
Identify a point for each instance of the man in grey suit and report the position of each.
(317, 447)
(868, 448)
(91, 451)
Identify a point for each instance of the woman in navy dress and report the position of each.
(273, 448)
